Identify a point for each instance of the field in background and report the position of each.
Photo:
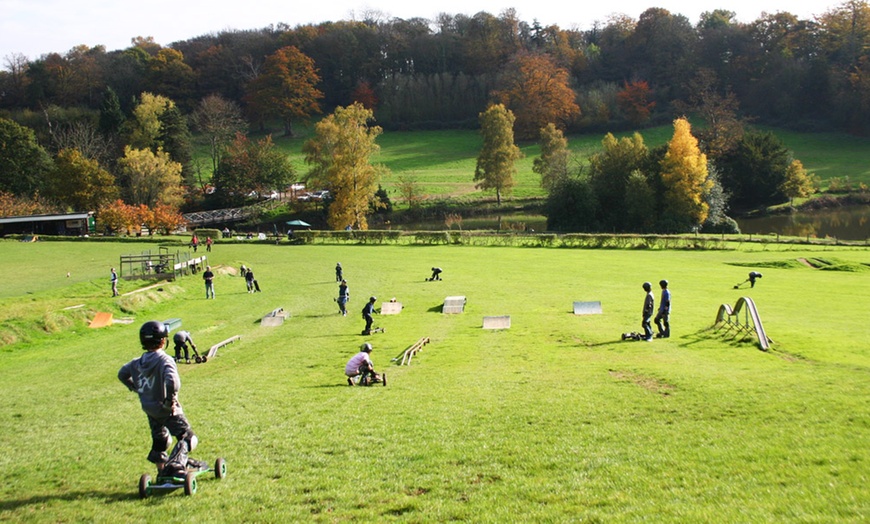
(555, 419)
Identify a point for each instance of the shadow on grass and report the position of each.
(42, 500)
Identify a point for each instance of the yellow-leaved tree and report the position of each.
(151, 178)
(495, 164)
(340, 155)
(684, 176)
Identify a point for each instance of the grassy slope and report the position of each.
(554, 419)
(442, 162)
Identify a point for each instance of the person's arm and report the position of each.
(126, 376)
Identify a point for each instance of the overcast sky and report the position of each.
(37, 27)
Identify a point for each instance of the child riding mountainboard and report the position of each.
(154, 377)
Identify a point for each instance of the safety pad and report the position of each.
(453, 305)
(587, 308)
(101, 320)
(391, 308)
(500, 322)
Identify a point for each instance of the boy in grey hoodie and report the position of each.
(154, 376)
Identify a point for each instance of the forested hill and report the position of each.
(420, 73)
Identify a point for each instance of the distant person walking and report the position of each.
(208, 277)
(648, 308)
(251, 282)
(194, 242)
(343, 297)
(208, 243)
(339, 274)
(114, 279)
(663, 317)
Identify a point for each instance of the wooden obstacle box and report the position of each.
(101, 320)
(587, 308)
(499, 322)
(212, 351)
(391, 308)
(405, 358)
(274, 318)
(453, 305)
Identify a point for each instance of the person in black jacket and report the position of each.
(367, 311)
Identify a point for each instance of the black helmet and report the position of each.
(366, 347)
(373, 299)
(152, 333)
(647, 286)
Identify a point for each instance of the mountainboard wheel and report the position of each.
(144, 484)
(190, 483)
(199, 360)
(384, 379)
(204, 359)
(220, 468)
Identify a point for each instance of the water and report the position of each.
(845, 223)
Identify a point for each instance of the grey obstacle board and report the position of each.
(274, 318)
(498, 322)
(453, 305)
(587, 308)
(391, 308)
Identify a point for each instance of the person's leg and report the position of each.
(177, 352)
(369, 321)
(658, 321)
(666, 320)
(160, 441)
(186, 441)
(647, 329)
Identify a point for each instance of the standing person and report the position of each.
(648, 308)
(208, 243)
(663, 317)
(249, 279)
(338, 272)
(361, 364)
(367, 311)
(208, 277)
(182, 339)
(114, 279)
(752, 276)
(194, 242)
(154, 376)
(343, 297)
(436, 273)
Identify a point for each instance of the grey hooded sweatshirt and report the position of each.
(155, 378)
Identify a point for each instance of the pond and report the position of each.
(844, 223)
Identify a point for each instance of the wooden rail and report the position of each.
(405, 358)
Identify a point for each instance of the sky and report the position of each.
(36, 27)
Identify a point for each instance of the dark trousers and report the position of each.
(663, 322)
(161, 429)
(369, 321)
(647, 328)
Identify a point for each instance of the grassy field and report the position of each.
(442, 162)
(553, 420)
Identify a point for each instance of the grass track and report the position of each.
(552, 420)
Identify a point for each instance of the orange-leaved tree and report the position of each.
(634, 101)
(538, 93)
(287, 87)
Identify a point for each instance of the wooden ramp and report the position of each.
(499, 322)
(587, 308)
(453, 305)
(274, 318)
(391, 308)
(101, 320)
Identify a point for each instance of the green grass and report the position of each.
(443, 162)
(553, 420)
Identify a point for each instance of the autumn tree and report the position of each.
(538, 93)
(718, 108)
(286, 87)
(684, 176)
(340, 155)
(79, 183)
(17, 205)
(365, 95)
(552, 165)
(496, 162)
(634, 101)
(250, 166)
(798, 183)
(218, 120)
(118, 216)
(23, 162)
(150, 178)
(144, 127)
